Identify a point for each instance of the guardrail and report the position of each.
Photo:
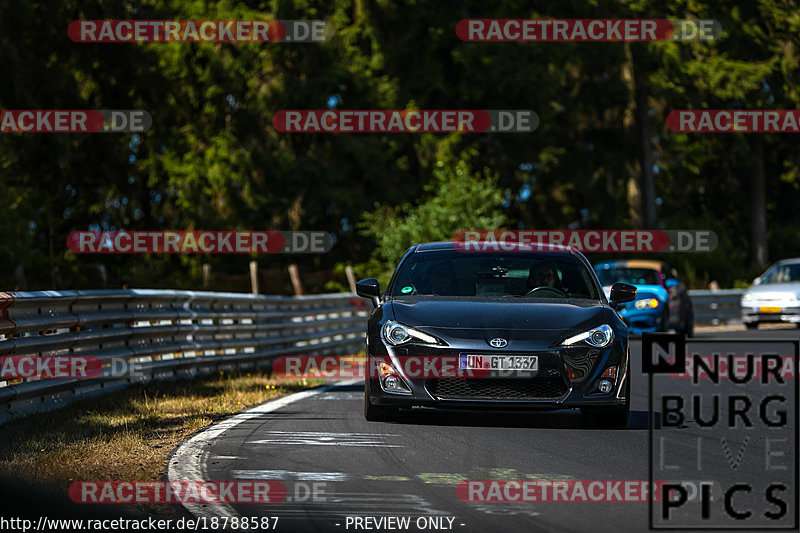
(717, 307)
(142, 335)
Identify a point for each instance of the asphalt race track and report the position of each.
(411, 468)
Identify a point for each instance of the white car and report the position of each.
(774, 296)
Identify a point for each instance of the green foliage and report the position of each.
(212, 159)
(455, 199)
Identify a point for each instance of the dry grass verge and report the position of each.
(128, 435)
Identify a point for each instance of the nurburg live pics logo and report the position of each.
(728, 439)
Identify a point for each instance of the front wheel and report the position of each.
(751, 325)
(612, 418)
(377, 413)
(688, 327)
(664, 326)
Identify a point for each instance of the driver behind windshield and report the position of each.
(542, 275)
(442, 279)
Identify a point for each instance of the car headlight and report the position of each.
(646, 303)
(599, 337)
(395, 333)
(747, 298)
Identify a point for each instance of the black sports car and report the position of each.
(497, 329)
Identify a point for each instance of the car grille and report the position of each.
(529, 388)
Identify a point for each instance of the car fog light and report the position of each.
(394, 383)
(604, 385)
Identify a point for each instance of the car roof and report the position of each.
(632, 263)
(501, 247)
(790, 261)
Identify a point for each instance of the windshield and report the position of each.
(634, 276)
(494, 275)
(782, 274)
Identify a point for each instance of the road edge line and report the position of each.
(187, 462)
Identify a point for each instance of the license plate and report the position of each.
(769, 309)
(528, 363)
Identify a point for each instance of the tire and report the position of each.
(662, 322)
(377, 413)
(613, 418)
(688, 327)
(751, 325)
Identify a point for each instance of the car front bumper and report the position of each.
(566, 379)
(761, 313)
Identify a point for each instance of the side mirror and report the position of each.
(671, 282)
(369, 288)
(757, 281)
(622, 293)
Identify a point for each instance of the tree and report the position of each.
(455, 199)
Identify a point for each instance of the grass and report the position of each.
(128, 435)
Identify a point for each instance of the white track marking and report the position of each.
(355, 396)
(281, 475)
(320, 438)
(341, 504)
(188, 463)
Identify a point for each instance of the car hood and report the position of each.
(767, 288)
(499, 315)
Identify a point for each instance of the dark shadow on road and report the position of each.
(562, 419)
(348, 388)
(298, 415)
(638, 420)
(556, 419)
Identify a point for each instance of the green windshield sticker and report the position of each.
(406, 290)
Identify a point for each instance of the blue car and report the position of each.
(662, 301)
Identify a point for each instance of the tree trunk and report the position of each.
(51, 253)
(629, 122)
(758, 206)
(645, 148)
